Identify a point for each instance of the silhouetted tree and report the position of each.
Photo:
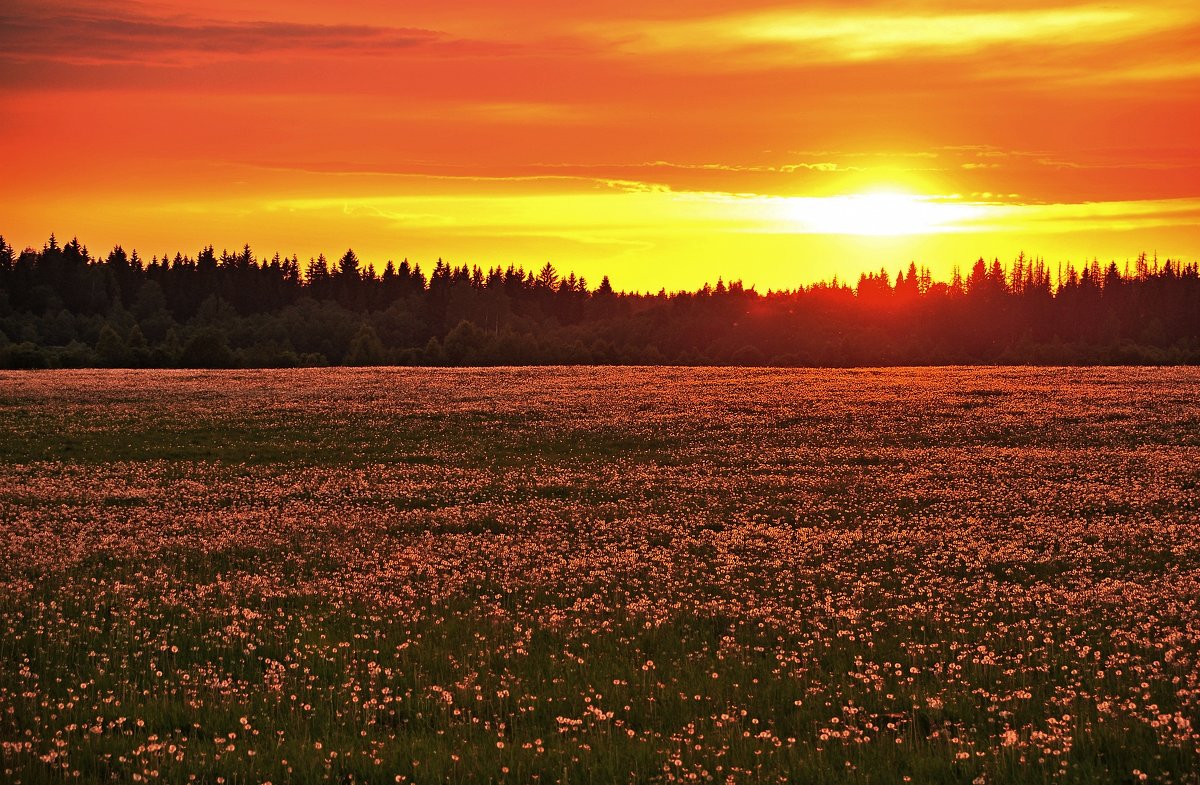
(207, 349)
(112, 348)
(366, 348)
(62, 307)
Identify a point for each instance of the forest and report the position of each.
(62, 307)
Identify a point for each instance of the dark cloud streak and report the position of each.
(108, 38)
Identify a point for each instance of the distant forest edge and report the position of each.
(61, 307)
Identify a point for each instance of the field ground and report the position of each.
(600, 575)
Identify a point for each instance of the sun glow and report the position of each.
(881, 213)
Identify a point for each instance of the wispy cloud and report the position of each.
(632, 212)
(30, 33)
(732, 168)
(869, 33)
(640, 176)
(1120, 215)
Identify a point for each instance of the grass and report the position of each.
(582, 575)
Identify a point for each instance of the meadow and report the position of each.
(595, 575)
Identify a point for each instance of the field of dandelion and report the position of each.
(600, 575)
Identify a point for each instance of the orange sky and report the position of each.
(662, 143)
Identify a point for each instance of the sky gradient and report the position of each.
(664, 144)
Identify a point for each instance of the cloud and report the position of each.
(834, 35)
(784, 168)
(632, 212)
(1119, 215)
(95, 36)
(569, 176)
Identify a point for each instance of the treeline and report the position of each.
(62, 307)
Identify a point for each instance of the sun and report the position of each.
(880, 213)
